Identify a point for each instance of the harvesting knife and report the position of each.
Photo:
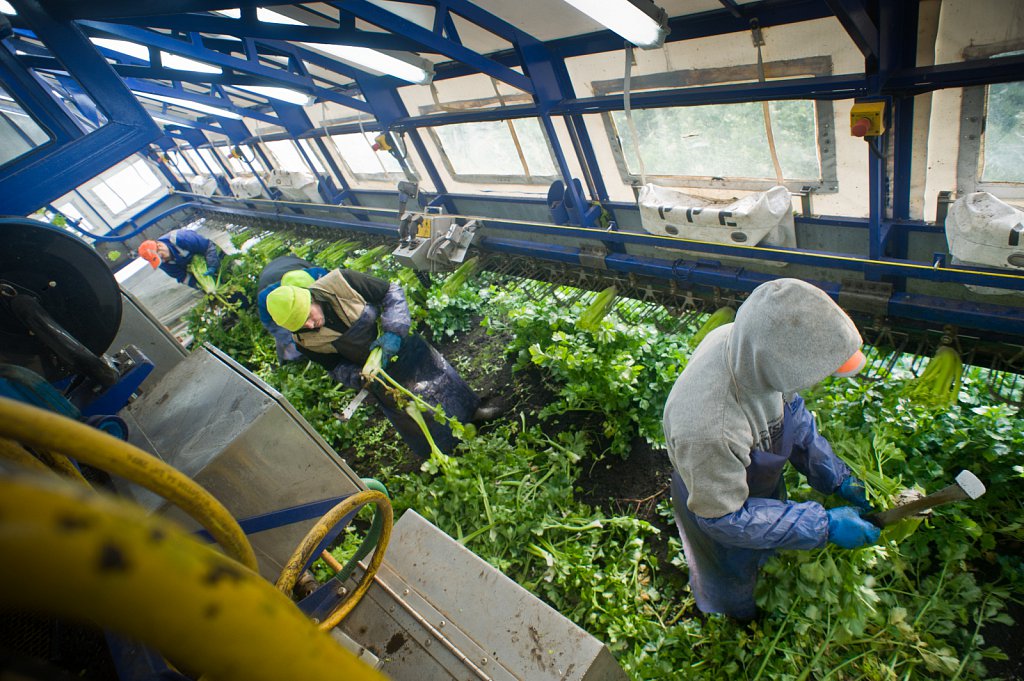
(967, 486)
(346, 414)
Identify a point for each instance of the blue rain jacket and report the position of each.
(184, 244)
(724, 553)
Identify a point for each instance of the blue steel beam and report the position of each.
(144, 86)
(706, 273)
(245, 28)
(72, 157)
(281, 76)
(432, 42)
(854, 16)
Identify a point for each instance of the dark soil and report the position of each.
(1007, 639)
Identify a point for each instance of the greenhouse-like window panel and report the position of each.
(516, 149)
(723, 140)
(1003, 144)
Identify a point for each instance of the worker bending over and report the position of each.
(335, 323)
(173, 252)
(732, 421)
(288, 270)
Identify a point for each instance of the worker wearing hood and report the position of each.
(286, 270)
(732, 421)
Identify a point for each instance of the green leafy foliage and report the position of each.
(915, 606)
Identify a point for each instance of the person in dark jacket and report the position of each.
(341, 317)
(288, 270)
(173, 252)
(734, 418)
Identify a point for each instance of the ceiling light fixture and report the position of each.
(641, 22)
(282, 93)
(167, 121)
(141, 52)
(405, 66)
(194, 106)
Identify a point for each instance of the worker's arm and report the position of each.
(389, 299)
(812, 455)
(714, 472)
(770, 524)
(194, 243)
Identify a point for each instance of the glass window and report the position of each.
(19, 133)
(357, 152)
(196, 162)
(127, 187)
(722, 141)
(314, 155)
(211, 161)
(73, 213)
(177, 159)
(489, 150)
(1003, 141)
(289, 158)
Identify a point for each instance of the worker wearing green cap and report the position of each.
(289, 270)
(343, 315)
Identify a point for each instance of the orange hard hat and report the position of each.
(148, 252)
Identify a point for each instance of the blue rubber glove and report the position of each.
(390, 343)
(847, 530)
(852, 490)
(211, 272)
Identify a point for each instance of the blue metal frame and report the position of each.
(885, 33)
(73, 157)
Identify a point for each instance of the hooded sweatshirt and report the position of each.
(787, 336)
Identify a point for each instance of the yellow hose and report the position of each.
(12, 451)
(292, 569)
(81, 555)
(63, 465)
(47, 431)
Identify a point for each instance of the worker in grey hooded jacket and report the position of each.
(732, 421)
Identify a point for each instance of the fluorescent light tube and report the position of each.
(379, 62)
(123, 47)
(141, 52)
(641, 22)
(176, 61)
(411, 68)
(170, 122)
(282, 93)
(194, 106)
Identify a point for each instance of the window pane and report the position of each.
(488, 148)
(723, 140)
(207, 155)
(178, 161)
(1003, 142)
(288, 156)
(69, 210)
(112, 201)
(134, 183)
(19, 133)
(312, 154)
(357, 151)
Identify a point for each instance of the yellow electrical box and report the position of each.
(867, 119)
(423, 231)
